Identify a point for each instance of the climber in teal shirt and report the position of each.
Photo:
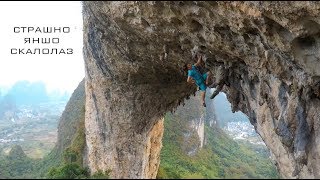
(197, 77)
(200, 78)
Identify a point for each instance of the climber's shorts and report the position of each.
(202, 85)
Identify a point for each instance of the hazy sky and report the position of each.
(62, 71)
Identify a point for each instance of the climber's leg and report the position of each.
(207, 77)
(203, 88)
(203, 96)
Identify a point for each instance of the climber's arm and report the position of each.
(190, 80)
(199, 61)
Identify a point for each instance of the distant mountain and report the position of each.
(22, 93)
(25, 92)
(3, 91)
(8, 106)
(31, 93)
(16, 153)
(57, 95)
(17, 164)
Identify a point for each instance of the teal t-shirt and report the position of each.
(195, 74)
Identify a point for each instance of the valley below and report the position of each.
(33, 127)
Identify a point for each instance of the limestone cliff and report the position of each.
(134, 53)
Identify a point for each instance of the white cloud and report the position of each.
(57, 71)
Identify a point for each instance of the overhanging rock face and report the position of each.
(134, 53)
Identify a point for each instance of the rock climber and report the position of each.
(197, 75)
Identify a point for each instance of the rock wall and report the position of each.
(134, 53)
(152, 151)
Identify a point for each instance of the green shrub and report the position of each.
(68, 171)
(101, 175)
